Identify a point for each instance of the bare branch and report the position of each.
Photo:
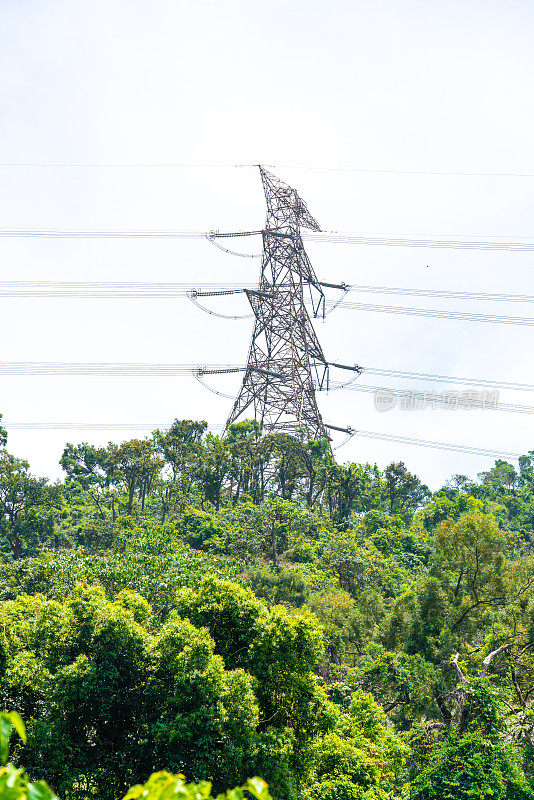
(489, 658)
(459, 674)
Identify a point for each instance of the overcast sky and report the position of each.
(401, 86)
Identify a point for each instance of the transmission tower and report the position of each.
(285, 361)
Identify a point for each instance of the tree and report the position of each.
(85, 464)
(469, 765)
(165, 655)
(470, 759)
(224, 689)
(135, 465)
(347, 629)
(458, 483)
(286, 453)
(14, 783)
(214, 469)
(352, 488)
(470, 563)
(358, 565)
(109, 700)
(162, 785)
(502, 476)
(181, 448)
(526, 470)
(317, 460)
(274, 529)
(280, 650)
(402, 683)
(26, 506)
(246, 461)
(361, 758)
(143, 556)
(405, 491)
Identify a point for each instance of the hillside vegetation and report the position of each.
(221, 609)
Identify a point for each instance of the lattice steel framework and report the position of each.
(285, 354)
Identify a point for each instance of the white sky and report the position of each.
(441, 86)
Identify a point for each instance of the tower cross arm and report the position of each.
(353, 368)
(348, 430)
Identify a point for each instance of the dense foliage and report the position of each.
(219, 608)
(16, 785)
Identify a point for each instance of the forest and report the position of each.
(183, 614)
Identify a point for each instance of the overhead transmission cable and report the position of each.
(444, 173)
(120, 368)
(445, 294)
(110, 369)
(109, 289)
(89, 426)
(455, 448)
(149, 289)
(335, 237)
(51, 233)
(465, 316)
(429, 376)
(444, 400)
(327, 237)
(321, 168)
(92, 291)
(148, 427)
(115, 369)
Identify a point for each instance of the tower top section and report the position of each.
(285, 209)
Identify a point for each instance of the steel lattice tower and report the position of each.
(285, 354)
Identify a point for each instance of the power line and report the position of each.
(454, 173)
(429, 376)
(138, 369)
(89, 426)
(117, 284)
(328, 237)
(465, 316)
(50, 233)
(112, 369)
(132, 290)
(456, 448)
(334, 237)
(452, 294)
(107, 289)
(142, 289)
(149, 427)
(120, 368)
(446, 400)
(119, 165)
(357, 170)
